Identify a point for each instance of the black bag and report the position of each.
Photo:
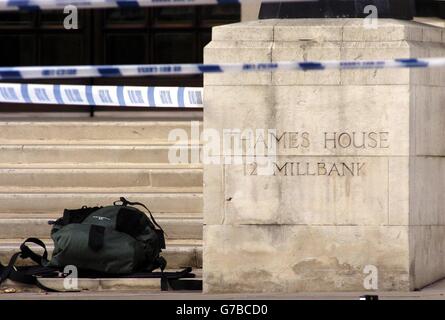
(112, 241)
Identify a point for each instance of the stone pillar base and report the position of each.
(352, 197)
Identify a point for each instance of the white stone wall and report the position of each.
(300, 229)
(250, 10)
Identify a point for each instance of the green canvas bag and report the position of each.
(113, 241)
(117, 239)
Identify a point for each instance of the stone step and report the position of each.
(56, 202)
(16, 179)
(87, 131)
(109, 166)
(75, 154)
(101, 284)
(23, 226)
(76, 189)
(55, 215)
(100, 142)
(179, 253)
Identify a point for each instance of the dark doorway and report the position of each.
(112, 36)
(117, 36)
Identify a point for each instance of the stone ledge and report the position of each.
(328, 30)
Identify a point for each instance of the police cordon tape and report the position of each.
(14, 5)
(59, 72)
(123, 96)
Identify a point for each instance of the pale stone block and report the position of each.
(176, 178)
(249, 11)
(105, 284)
(398, 191)
(251, 104)
(50, 203)
(285, 258)
(213, 194)
(387, 30)
(306, 51)
(375, 51)
(346, 30)
(129, 284)
(308, 109)
(250, 52)
(86, 179)
(430, 76)
(433, 21)
(379, 204)
(321, 111)
(426, 264)
(427, 185)
(432, 34)
(420, 76)
(259, 30)
(89, 154)
(437, 74)
(429, 117)
(421, 96)
(294, 30)
(59, 284)
(322, 232)
(89, 132)
(308, 191)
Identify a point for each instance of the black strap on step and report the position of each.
(9, 272)
(161, 263)
(180, 280)
(30, 275)
(27, 275)
(181, 284)
(26, 252)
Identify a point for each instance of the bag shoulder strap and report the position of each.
(10, 271)
(6, 272)
(125, 202)
(181, 280)
(26, 252)
(13, 273)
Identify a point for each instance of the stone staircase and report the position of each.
(49, 165)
